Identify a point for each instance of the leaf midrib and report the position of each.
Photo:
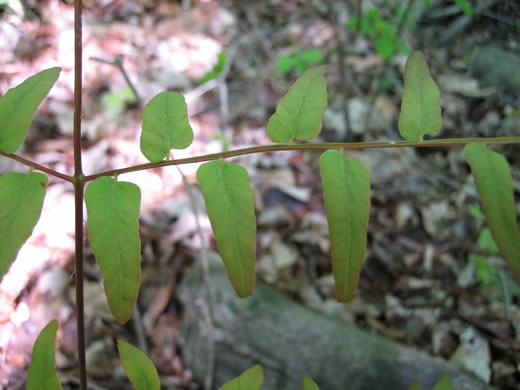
(349, 225)
(116, 239)
(233, 227)
(298, 115)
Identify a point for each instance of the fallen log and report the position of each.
(289, 340)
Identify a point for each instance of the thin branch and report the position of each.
(79, 185)
(311, 146)
(38, 167)
(137, 321)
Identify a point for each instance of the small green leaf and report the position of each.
(495, 187)
(309, 384)
(251, 379)
(285, 64)
(230, 204)
(444, 383)
(18, 106)
(298, 116)
(420, 109)
(165, 126)
(113, 229)
(351, 23)
(486, 242)
(385, 47)
(466, 7)
(21, 197)
(310, 57)
(346, 189)
(217, 69)
(415, 386)
(475, 212)
(139, 368)
(42, 372)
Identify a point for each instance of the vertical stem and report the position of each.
(79, 184)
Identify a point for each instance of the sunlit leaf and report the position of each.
(165, 126)
(18, 106)
(42, 372)
(229, 200)
(139, 368)
(444, 383)
(21, 200)
(309, 384)
(299, 113)
(420, 109)
(250, 379)
(495, 187)
(346, 189)
(113, 229)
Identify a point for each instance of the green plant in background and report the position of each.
(113, 206)
(492, 280)
(384, 33)
(216, 70)
(466, 7)
(115, 102)
(253, 378)
(298, 60)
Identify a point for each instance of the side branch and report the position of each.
(311, 146)
(37, 166)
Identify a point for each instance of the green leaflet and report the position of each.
(139, 368)
(309, 384)
(165, 126)
(299, 113)
(113, 229)
(21, 197)
(18, 106)
(346, 189)
(495, 187)
(251, 379)
(229, 200)
(444, 383)
(420, 109)
(42, 372)
(415, 386)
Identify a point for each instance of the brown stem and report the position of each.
(448, 142)
(37, 166)
(79, 184)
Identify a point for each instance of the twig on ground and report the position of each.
(207, 299)
(223, 95)
(118, 63)
(463, 22)
(139, 331)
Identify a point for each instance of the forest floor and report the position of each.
(432, 277)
